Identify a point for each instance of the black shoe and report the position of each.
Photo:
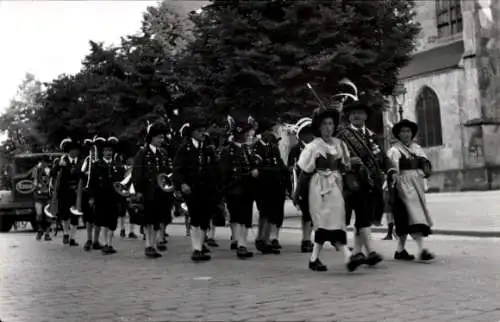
(39, 235)
(426, 256)
(66, 239)
(88, 245)
(260, 245)
(151, 252)
(199, 256)
(212, 243)
(243, 253)
(360, 257)
(387, 237)
(47, 237)
(73, 242)
(108, 250)
(306, 246)
(162, 246)
(132, 236)
(403, 256)
(122, 233)
(270, 249)
(317, 266)
(276, 244)
(374, 258)
(234, 245)
(96, 245)
(355, 261)
(205, 249)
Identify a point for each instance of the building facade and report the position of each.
(443, 94)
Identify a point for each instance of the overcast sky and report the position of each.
(47, 38)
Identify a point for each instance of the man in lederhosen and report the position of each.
(239, 170)
(70, 169)
(304, 136)
(89, 215)
(41, 178)
(369, 163)
(195, 175)
(105, 172)
(148, 164)
(218, 218)
(272, 185)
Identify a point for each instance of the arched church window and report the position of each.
(428, 118)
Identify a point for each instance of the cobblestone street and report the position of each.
(48, 282)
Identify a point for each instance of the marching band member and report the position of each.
(272, 185)
(183, 133)
(89, 214)
(369, 163)
(410, 207)
(322, 163)
(195, 175)
(239, 170)
(132, 223)
(41, 178)
(304, 136)
(218, 218)
(105, 172)
(70, 169)
(149, 162)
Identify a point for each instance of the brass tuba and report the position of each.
(51, 209)
(165, 182)
(121, 187)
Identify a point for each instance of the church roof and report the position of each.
(433, 60)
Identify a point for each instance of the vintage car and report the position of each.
(16, 204)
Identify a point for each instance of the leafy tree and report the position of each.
(258, 56)
(20, 117)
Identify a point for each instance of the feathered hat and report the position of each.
(304, 124)
(238, 127)
(111, 142)
(155, 129)
(68, 144)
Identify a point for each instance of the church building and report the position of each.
(442, 93)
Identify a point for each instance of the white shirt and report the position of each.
(153, 148)
(108, 161)
(72, 160)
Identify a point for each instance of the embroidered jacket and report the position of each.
(148, 164)
(236, 163)
(273, 173)
(103, 176)
(362, 144)
(71, 173)
(196, 167)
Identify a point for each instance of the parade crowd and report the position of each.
(336, 170)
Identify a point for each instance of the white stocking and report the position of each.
(316, 250)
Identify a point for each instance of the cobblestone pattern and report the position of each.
(42, 281)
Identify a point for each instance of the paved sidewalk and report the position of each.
(48, 282)
(461, 213)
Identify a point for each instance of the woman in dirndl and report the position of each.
(409, 206)
(322, 163)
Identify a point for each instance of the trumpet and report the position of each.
(165, 183)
